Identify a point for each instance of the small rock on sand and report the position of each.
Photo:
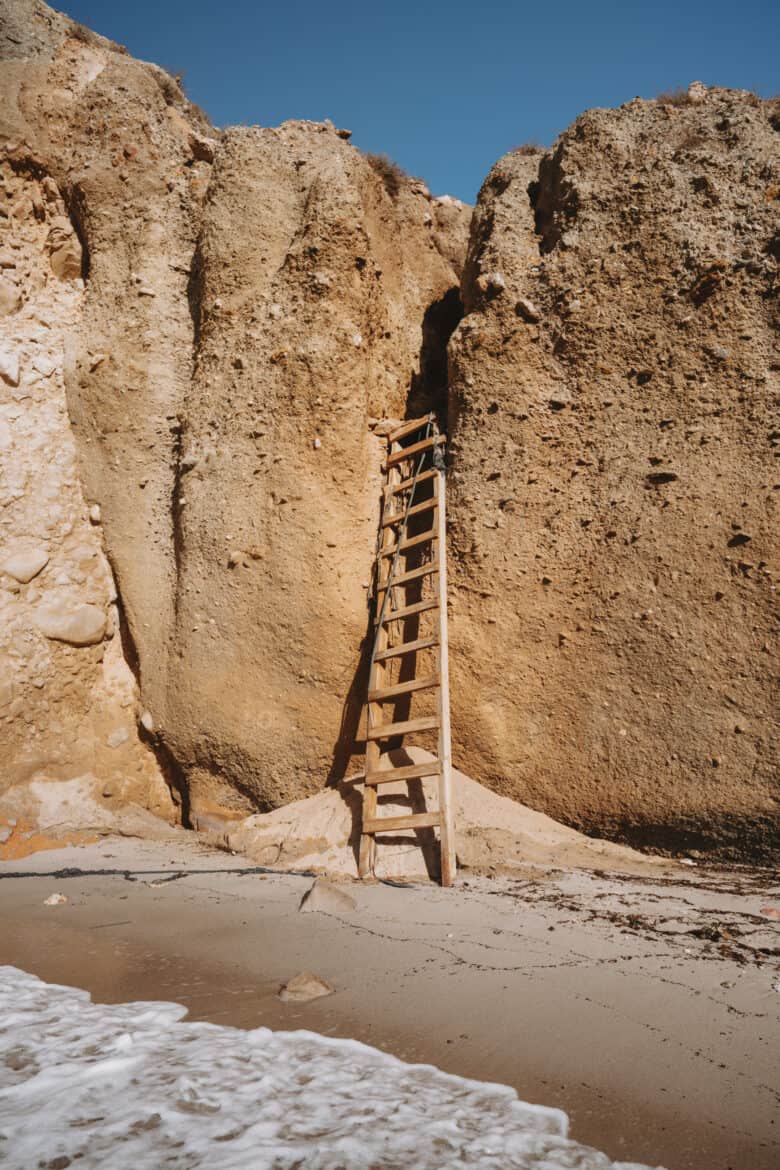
(326, 898)
(55, 900)
(304, 987)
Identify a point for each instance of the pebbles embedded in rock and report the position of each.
(697, 92)
(491, 282)
(10, 300)
(79, 625)
(44, 365)
(9, 365)
(64, 249)
(527, 310)
(23, 566)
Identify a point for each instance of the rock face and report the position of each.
(613, 494)
(228, 315)
(309, 323)
(252, 301)
(65, 688)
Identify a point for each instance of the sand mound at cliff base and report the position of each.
(493, 833)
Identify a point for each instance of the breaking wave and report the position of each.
(132, 1087)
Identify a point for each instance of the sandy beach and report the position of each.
(645, 1007)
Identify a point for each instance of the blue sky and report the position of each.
(443, 88)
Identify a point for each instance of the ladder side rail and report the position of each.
(376, 674)
(447, 828)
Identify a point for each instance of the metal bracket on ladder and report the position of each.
(410, 624)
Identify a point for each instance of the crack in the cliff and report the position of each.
(172, 773)
(429, 389)
(177, 539)
(554, 200)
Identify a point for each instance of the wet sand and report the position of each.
(647, 1009)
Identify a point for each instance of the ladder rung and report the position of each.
(410, 542)
(412, 575)
(396, 615)
(412, 424)
(408, 772)
(405, 484)
(399, 516)
(407, 648)
(404, 688)
(405, 727)
(415, 449)
(410, 821)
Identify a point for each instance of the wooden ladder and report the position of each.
(410, 626)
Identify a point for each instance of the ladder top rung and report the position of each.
(407, 428)
(405, 727)
(396, 615)
(407, 648)
(399, 517)
(415, 449)
(407, 772)
(412, 575)
(410, 542)
(410, 821)
(380, 694)
(393, 488)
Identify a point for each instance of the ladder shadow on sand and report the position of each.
(424, 840)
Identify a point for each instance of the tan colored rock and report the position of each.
(10, 298)
(9, 364)
(26, 564)
(325, 898)
(612, 527)
(267, 588)
(55, 900)
(697, 92)
(609, 392)
(80, 625)
(64, 250)
(304, 987)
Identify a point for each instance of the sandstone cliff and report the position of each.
(614, 486)
(187, 543)
(253, 301)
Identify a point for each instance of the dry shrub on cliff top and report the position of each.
(528, 148)
(80, 32)
(674, 97)
(392, 175)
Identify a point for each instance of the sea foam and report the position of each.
(132, 1087)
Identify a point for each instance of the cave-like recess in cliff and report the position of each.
(429, 388)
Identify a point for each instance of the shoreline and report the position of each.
(585, 992)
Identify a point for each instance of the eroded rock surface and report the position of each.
(229, 315)
(613, 496)
(68, 702)
(252, 300)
